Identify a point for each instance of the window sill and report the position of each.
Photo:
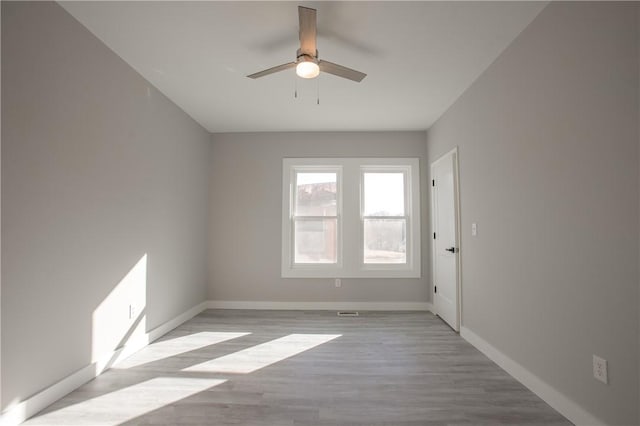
(340, 273)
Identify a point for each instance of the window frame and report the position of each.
(308, 269)
(293, 218)
(406, 173)
(350, 218)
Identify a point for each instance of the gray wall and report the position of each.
(246, 208)
(548, 140)
(98, 169)
(0, 214)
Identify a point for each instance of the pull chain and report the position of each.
(318, 91)
(295, 88)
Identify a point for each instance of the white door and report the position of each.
(446, 248)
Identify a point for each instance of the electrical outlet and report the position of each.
(338, 282)
(132, 312)
(474, 229)
(600, 369)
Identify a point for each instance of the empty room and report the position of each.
(325, 213)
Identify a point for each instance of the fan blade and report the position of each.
(341, 71)
(272, 70)
(307, 17)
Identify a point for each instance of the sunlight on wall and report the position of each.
(120, 318)
(257, 357)
(172, 347)
(126, 404)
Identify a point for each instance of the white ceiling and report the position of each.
(419, 57)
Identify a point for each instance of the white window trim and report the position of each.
(408, 216)
(329, 268)
(350, 218)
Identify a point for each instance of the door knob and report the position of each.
(451, 249)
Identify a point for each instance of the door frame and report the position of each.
(456, 197)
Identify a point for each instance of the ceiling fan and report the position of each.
(307, 63)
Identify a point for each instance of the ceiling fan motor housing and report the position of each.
(305, 57)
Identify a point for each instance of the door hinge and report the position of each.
(433, 182)
(434, 235)
(435, 289)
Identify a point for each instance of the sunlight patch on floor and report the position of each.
(265, 354)
(123, 405)
(176, 346)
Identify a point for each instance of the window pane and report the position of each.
(315, 241)
(316, 194)
(385, 241)
(384, 194)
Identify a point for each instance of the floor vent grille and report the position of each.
(348, 314)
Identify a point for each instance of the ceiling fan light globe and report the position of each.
(307, 69)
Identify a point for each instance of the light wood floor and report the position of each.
(304, 368)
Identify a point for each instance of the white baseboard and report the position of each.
(31, 406)
(321, 306)
(163, 329)
(563, 404)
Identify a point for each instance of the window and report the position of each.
(315, 216)
(351, 217)
(383, 217)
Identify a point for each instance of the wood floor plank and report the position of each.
(384, 368)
